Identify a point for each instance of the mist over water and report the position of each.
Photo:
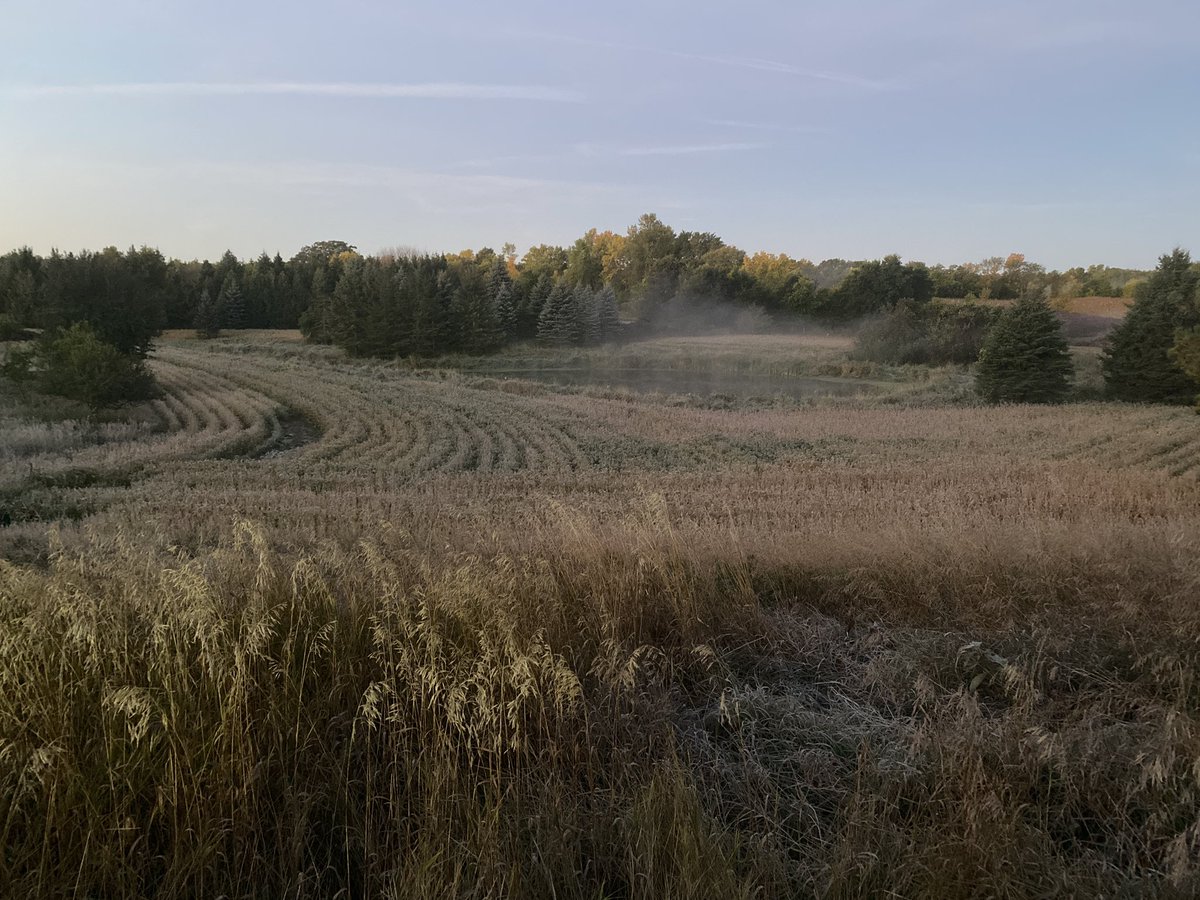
(704, 384)
(684, 315)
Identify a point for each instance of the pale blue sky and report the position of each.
(944, 131)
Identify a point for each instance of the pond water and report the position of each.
(699, 384)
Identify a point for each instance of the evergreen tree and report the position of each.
(1025, 357)
(1137, 362)
(557, 322)
(315, 321)
(529, 310)
(501, 290)
(587, 316)
(506, 313)
(1186, 354)
(349, 309)
(474, 315)
(259, 290)
(606, 308)
(231, 303)
(208, 316)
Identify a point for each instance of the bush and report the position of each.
(76, 364)
(915, 333)
(1025, 357)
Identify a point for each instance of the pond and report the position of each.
(699, 383)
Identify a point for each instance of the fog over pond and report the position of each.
(700, 383)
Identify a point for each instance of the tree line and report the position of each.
(127, 297)
(602, 286)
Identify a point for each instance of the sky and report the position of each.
(942, 130)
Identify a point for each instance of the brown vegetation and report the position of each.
(486, 638)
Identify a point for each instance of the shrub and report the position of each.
(76, 364)
(1025, 357)
(915, 333)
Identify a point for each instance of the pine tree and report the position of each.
(1137, 362)
(1025, 357)
(208, 316)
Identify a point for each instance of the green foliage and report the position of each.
(1137, 362)
(121, 295)
(232, 303)
(875, 286)
(473, 310)
(129, 297)
(1025, 358)
(506, 312)
(75, 363)
(607, 313)
(207, 320)
(1186, 355)
(650, 263)
(10, 328)
(557, 323)
(579, 316)
(929, 334)
(322, 252)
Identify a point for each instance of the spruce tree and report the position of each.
(557, 322)
(1186, 354)
(587, 316)
(1025, 357)
(232, 303)
(350, 309)
(506, 313)
(610, 320)
(425, 294)
(529, 311)
(207, 321)
(1137, 363)
(315, 321)
(475, 316)
(500, 289)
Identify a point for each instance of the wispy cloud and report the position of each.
(689, 149)
(357, 175)
(768, 126)
(741, 62)
(428, 90)
(586, 150)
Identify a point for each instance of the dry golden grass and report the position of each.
(487, 639)
(1109, 307)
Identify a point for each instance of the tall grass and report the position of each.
(613, 715)
(488, 644)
